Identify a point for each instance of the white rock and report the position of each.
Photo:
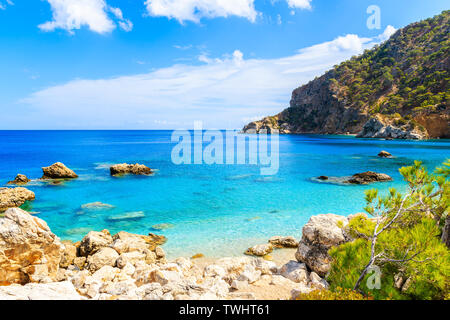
(325, 230)
(40, 291)
(129, 257)
(105, 274)
(239, 285)
(214, 270)
(317, 282)
(260, 249)
(294, 271)
(266, 267)
(103, 257)
(250, 274)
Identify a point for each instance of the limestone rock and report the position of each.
(260, 250)
(320, 234)
(317, 282)
(129, 257)
(125, 168)
(103, 257)
(14, 197)
(40, 291)
(20, 180)
(377, 127)
(29, 251)
(93, 241)
(283, 242)
(324, 229)
(295, 271)
(152, 240)
(69, 254)
(300, 289)
(369, 177)
(250, 274)
(58, 171)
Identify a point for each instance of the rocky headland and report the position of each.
(397, 90)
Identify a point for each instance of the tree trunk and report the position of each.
(446, 232)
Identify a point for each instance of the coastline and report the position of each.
(128, 266)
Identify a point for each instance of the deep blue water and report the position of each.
(217, 210)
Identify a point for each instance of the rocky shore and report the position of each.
(35, 264)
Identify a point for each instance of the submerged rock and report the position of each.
(14, 197)
(125, 168)
(20, 179)
(128, 216)
(322, 178)
(369, 177)
(29, 251)
(162, 226)
(384, 154)
(96, 206)
(197, 256)
(58, 171)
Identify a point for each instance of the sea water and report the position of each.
(217, 210)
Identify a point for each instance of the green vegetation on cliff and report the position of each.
(407, 74)
(398, 89)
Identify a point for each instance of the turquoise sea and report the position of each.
(217, 210)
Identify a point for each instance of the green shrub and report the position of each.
(405, 237)
(337, 294)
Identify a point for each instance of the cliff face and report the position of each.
(399, 89)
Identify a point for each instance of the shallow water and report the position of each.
(218, 210)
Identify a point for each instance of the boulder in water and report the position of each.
(369, 177)
(384, 154)
(125, 168)
(58, 171)
(20, 179)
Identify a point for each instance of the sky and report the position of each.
(163, 64)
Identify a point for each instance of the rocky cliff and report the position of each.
(399, 89)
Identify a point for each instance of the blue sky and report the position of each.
(163, 64)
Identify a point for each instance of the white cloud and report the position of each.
(223, 92)
(4, 5)
(124, 24)
(388, 32)
(194, 10)
(73, 14)
(301, 4)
